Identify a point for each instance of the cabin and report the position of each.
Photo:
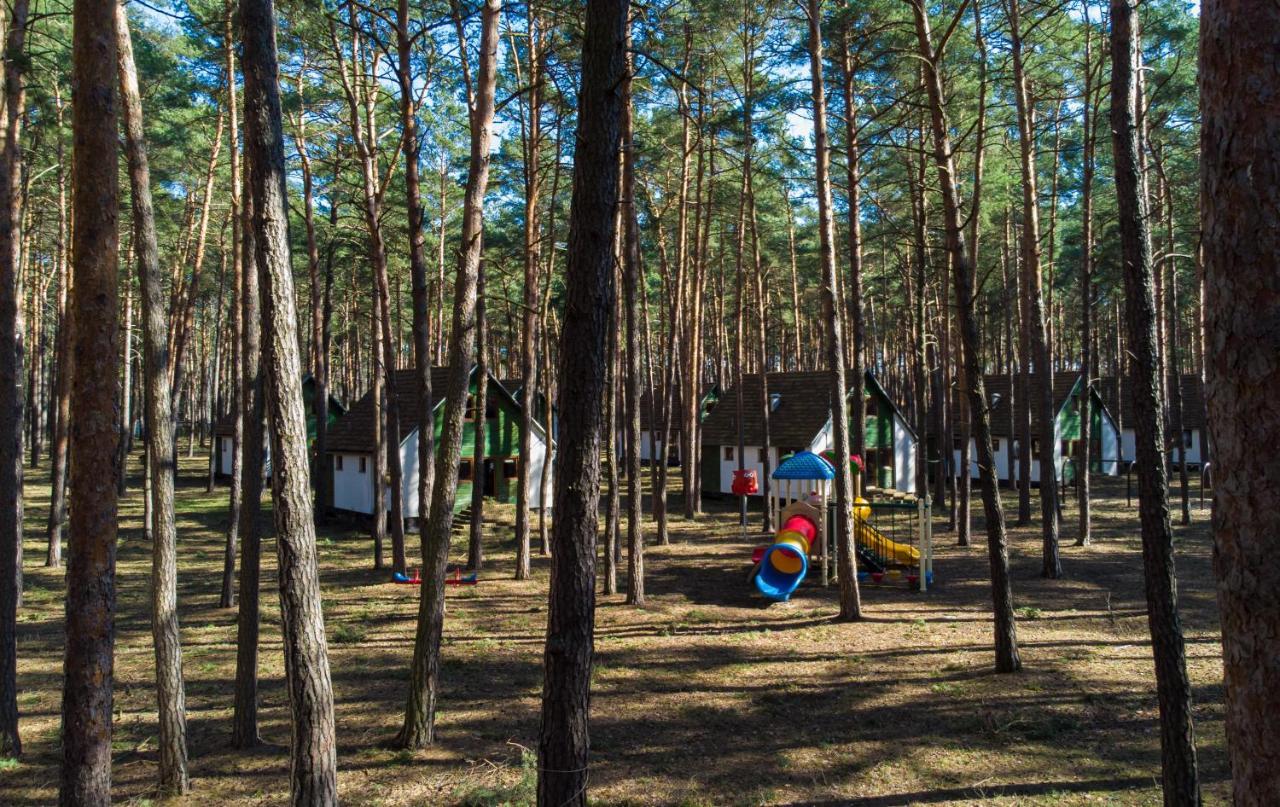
(1194, 433)
(1068, 386)
(224, 430)
(800, 420)
(350, 447)
(651, 426)
(515, 386)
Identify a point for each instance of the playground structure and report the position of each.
(893, 538)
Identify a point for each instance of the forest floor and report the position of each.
(704, 697)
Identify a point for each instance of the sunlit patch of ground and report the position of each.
(706, 696)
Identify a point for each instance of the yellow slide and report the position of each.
(875, 542)
(891, 551)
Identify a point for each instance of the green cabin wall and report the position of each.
(502, 440)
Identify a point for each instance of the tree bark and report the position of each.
(419, 720)
(1177, 732)
(62, 378)
(244, 719)
(1041, 397)
(313, 747)
(95, 399)
(1240, 148)
(475, 537)
(1006, 637)
(631, 375)
(1089, 125)
(850, 598)
(531, 140)
(161, 456)
(227, 597)
(563, 742)
(11, 393)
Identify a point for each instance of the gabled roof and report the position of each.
(649, 404)
(1192, 399)
(354, 432)
(226, 424)
(1000, 397)
(802, 411)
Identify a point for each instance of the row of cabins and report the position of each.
(350, 445)
(1111, 427)
(799, 420)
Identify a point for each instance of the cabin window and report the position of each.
(728, 453)
(470, 413)
(364, 465)
(995, 443)
(1035, 446)
(761, 454)
(490, 408)
(464, 471)
(509, 469)
(337, 462)
(1186, 438)
(957, 444)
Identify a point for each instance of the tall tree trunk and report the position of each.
(313, 746)
(531, 141)
(62, 378)
(631, 292)
(161, 456)
(244, 719)
(419, 720)
(1041, 397)
(1090, 126)
(853, 179)
(1177, 733)
(475, 538)
(850, 598)
(1006, 637)
(227, 597)
(95, 399)
(1240, 171)
(11, 358)
(563, 743)
(423, 314)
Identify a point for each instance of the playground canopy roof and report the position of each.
(804, 465)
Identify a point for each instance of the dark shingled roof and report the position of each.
(1192, 400)
(801, 413)
(1000, 387)
(355, 431)
(649, 404)
(226, 425)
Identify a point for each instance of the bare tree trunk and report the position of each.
(1006, 637)
(419, 721)
(531, 140)
(1177, 732)
(95, 398)
(313, 746)
(161, 458)
(853, 178)
(244, 719)
(1090, 127)
(11, 359)
(475, 538)
(423, 314)
(62, 379)
(239, 406)
(1042, 396)
(850, 598)
(563, 742)
(631, 292)
(1240, 171)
